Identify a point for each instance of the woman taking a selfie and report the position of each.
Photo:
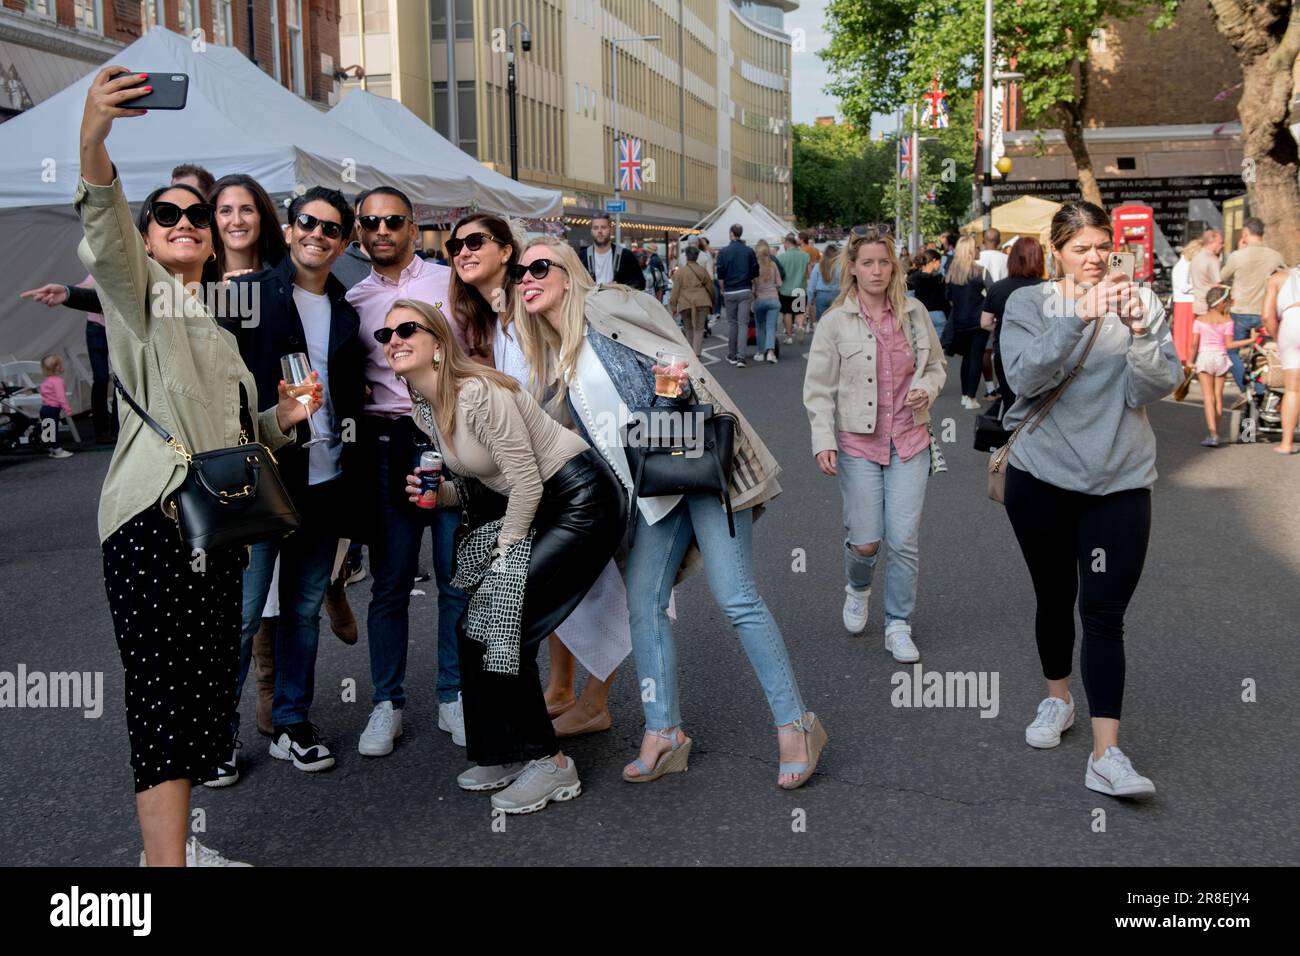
(1078, 486)
(177, 622)
(598, 350)
(874, 370)
(525, 572)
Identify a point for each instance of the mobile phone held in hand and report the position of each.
(1124, 262)
(170, 91)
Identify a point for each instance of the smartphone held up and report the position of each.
(170, 91)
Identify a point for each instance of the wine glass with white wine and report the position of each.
(296, 368)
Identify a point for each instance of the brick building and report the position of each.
(47, 44)
(1162, 124)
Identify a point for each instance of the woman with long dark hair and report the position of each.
(525, 572)
(247, 225)
(1025, 267)
(177, 624)
(1078, 486)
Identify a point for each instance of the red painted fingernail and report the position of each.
(144, 76)
(148, 89)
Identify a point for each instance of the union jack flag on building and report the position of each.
(629, 164)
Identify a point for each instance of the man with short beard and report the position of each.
(607, 262)
(389, 439)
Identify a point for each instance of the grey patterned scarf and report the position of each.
(496, 590)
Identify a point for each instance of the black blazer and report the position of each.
(278, 332)
(626, 269)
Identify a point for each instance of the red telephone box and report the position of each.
(1135, 232)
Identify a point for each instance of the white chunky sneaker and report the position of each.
(384, 727)
(898, 641)
(1055, 717)
(196, 854)
(855, 609)
(451, 718)
(540, 783)
(227, 773)
(1114, 776)
(483, 777)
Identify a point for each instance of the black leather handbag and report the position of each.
(231, 496)
(665, 460)
(989, 433)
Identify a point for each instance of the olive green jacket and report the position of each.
(169, 353)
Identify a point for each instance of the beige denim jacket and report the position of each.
(839, 388)
(170, 354)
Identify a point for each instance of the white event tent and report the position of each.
(762, 212)
(387, 121)
(716, 226)
(236, 120)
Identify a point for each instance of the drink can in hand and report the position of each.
(430, 479)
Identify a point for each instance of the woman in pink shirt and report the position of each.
(1211, 340)
(54, 400)
(874, 370)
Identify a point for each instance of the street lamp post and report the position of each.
(526, 44)
(914, 243)
(613, 52)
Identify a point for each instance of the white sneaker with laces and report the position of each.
(1055, 717)
(60, 453)
(196, 854)
(383, 728)
(898, 641)
(855, 609)
(1114, 776)
(451, 718)
(540, 783)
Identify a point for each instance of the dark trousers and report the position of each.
(971, 344)
(1092, 547)
(579, 523)
(97, 349)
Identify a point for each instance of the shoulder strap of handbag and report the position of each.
(245, 419)
(1034, 420)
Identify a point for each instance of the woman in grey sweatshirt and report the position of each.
(1079, 486)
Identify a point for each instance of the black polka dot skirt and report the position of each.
(177, 620)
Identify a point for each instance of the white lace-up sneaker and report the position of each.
(855, 609)
(384, 727)
(1055, 717)
(1114, 776)
(451, 718)
(540, 783)
(494, 777)
(898, 641)
(196, 854)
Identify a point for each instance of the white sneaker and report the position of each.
(384, 727)
(479, 777)
(60, 453)
(540, 783)
(771, 356)
(1114, 776)
(855, 609)
(969, 403)
(196, 854)
(898, 641)
(451, 718)
(1055, 717)
(227, 773)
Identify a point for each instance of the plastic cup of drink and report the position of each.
(667, 383)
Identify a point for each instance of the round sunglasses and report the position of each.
(473, 242)
(393, 222)
(168, 214)
(403, 330)
(328, 227)
(538, 269)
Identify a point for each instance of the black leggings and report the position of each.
(1092, 546)
(973, 341)
(579, 523)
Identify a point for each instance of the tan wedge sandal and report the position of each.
(670, 761)
(814, 739)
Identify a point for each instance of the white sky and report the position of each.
(809, 73)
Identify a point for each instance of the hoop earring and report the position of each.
(213, 257)
(437, 361)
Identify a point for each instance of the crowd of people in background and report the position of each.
(506, 361)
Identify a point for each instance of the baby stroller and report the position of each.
(1261, 416)
(18, 431)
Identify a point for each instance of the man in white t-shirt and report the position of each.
(992, 258)
(608, 262)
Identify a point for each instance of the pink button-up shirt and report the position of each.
(373, 297)
(895, 366)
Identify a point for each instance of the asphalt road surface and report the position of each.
(896, 785)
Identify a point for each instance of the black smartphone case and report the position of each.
(170, 91)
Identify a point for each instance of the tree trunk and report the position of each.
(1072, 127)
(1271, 164)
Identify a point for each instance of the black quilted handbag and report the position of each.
(667, 458)
(231, 496)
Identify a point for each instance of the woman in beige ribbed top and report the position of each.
(492, 431)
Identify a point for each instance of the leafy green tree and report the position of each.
(884, 53)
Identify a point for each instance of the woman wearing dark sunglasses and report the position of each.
(563, 519)
(176, 617)
(596, 350)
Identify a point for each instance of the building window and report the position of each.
(296, 69)
(464, 19)
(41, 8)
(441, 112)
(223, 27)
(88, 15)
(189, 16)
(437, 22)
(376, 15)
(275, 39)
(467, 115)
(152, 13)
